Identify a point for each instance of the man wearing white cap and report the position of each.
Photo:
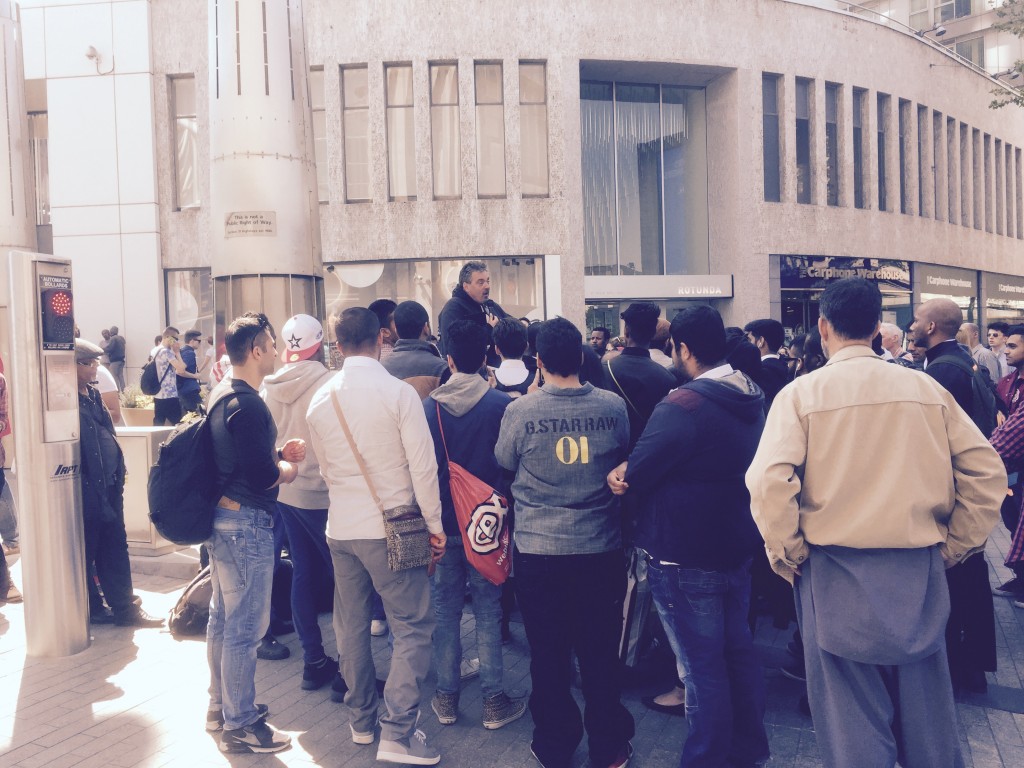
(303, 503)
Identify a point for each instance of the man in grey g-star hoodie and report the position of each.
(302, 505)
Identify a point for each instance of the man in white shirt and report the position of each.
(389, 428)
(984, 357)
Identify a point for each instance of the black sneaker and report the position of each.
(215, 717)
(271, 650)
(103, 616)
(338, 688)
(316, 676)
(137, 618)
(260, 737)
(1012, 588)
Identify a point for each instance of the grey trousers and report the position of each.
(875, 714)
(360, 566)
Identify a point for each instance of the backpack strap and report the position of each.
(622, 391)
(440, 426)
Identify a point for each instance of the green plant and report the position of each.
(1011, 13)
(133, 397)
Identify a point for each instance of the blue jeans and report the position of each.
(242, 573)
(725, 698)
(448, 589)
(313, 573)
(8, 514)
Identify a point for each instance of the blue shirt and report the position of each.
(187, 386)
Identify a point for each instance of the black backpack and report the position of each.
(191, 613)
(983, 399)
(183, 490)
(149, 382)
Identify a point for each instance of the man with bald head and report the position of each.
(985, 358)
(970, 632)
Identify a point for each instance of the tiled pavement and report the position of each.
(138, 698)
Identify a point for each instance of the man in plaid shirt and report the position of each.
(1008, 440)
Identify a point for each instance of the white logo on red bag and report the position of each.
(486, 524)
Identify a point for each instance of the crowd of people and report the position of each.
(718, 470)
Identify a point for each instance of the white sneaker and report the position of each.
(411, 751)
(469, 669)
(361, 737)
(378, 627)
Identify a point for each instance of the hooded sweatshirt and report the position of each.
(471, 414)
(687, 471)
(287, 393)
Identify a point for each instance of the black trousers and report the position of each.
(166, 410)
(574, 603)
(191, 402)
(971, 630)
(1010, 512)
(106, 548)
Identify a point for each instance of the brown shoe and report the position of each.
(14, 595)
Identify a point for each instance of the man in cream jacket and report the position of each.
(866, 559)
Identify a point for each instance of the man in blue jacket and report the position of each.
(688, 471)
(469, 412)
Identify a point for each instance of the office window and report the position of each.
(1018, 189)
(188, 298)
(832, 143)
(803, 140)
(966, 176)
(978, 156)
(186, 144)
(987, 180)
(860, 102)
(952, 172)
(356, 124)
(316, 103)
(883, 127)
(922, 148)
(945, 10)
(1008, 187)
(38, 138)
(904, 127)
(972, 49)
(770, 122)
(920, 18)
(401, 133)
(446, 149)
(490, 131)
(644, 153)
(938, 159)
(533, 128)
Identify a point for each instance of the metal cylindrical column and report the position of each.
(264, 210)
(17, 198)
(46, 439)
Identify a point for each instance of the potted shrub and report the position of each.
(136, 407)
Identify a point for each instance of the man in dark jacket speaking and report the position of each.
(688, 471)
(471, 301)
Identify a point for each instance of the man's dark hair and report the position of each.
(852, 307)
(740, 353)
(604, 332)
(999, 325)
(383, 309)
(771, 331)
(410, 317)
(701, 329)
(876, 344)
(1014, 330)
(466, 273)
(560, 347)
(357, 328)
(467, 344)
(510, 337)
(641, 319)
(170, 330)
(531, 337)
(245, 334)
(195, 333)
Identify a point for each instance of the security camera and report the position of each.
(92, 54)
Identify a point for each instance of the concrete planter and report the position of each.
(137, 417)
